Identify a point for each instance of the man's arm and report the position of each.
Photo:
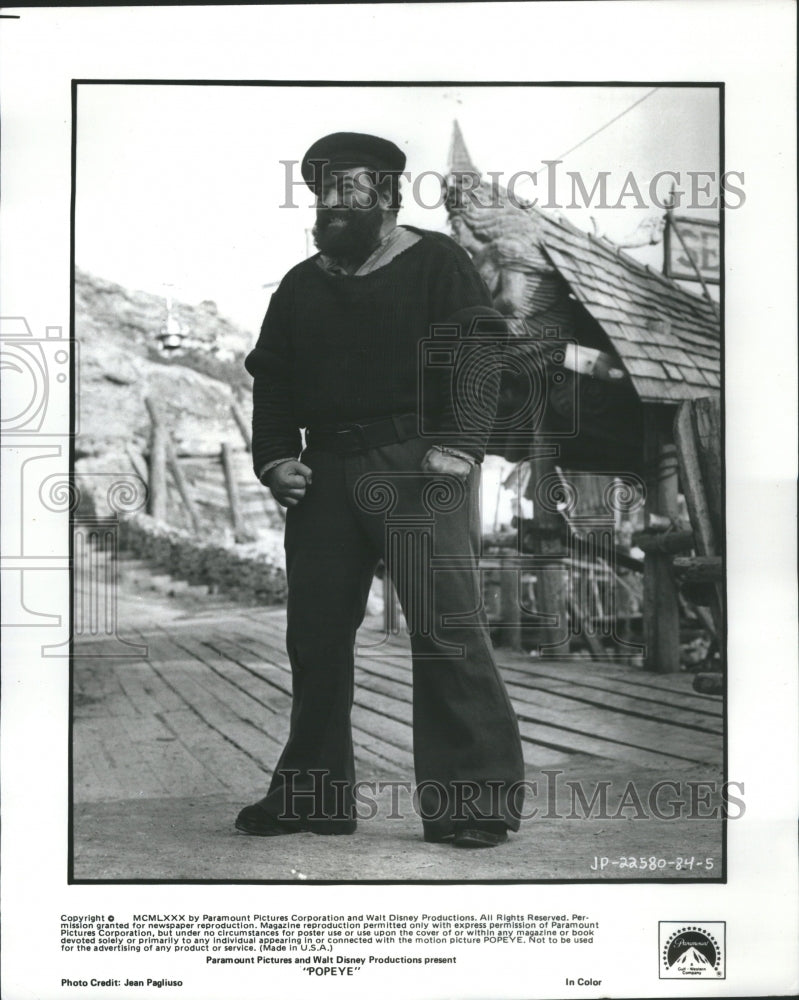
(462, 299)
(275, 434)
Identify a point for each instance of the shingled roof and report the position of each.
(667, 338)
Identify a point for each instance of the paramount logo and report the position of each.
(692, 950)
(692, 963)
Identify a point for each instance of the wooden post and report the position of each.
(183, 486)
(552, 584)
(697, 429)
(587, 631)
(510, 608)
(138, 463)
(707, 421)
(242, 424)
(157, 505)
(239, 528)
(661, 604)
(671, 541)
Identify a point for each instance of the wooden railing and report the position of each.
(209, 490)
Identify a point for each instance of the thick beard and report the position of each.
(351, 240)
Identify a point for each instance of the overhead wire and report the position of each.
(602, 128)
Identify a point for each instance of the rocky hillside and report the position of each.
(122, 359)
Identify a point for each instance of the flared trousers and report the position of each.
(467, 751)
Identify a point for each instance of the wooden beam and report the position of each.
(510, 609)
(552, 585)
(692, 478)
(699, 569)
(138, 463)
(707, 425)
(157, 505)
(239, 528)
(656, 541)
(661, 603)
(584, 627)
(697, 430)
(242, 423)
(183, 486)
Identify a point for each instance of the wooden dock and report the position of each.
(201, 718)
(212, 698)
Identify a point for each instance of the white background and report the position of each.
(747, 45)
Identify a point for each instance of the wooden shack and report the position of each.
(618, 347)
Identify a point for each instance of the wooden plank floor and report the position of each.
(206, 710)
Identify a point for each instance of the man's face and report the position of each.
(349, 214)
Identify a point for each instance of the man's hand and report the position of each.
(444, 464)
(288, 482)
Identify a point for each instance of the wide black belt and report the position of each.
(351, 438)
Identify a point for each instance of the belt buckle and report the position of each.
(356, 431)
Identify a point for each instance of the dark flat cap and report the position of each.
(343, 150)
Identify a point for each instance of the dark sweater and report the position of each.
(335, 349)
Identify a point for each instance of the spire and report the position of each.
(459, 159)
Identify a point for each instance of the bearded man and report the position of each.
(339, 355)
